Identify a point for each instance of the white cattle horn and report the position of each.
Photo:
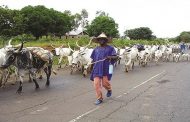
(18, 50)
(89, 43)
(61, 46)
(10, 42)
(77, 44)
(17, 46)
(52, 45)
(70, 47)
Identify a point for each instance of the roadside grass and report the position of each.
(46, 42)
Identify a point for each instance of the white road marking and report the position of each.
(119, 96)
(39, 110)
(43, 109)
(79, 117)
(145, 81)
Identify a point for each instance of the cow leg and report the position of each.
(49, 71)
(48, 74)
(126, 68)
(16, 74)
(35, 82)
(5, 77)
(139, 63)
(34, 79)
(40, 73)
(20, 85)
(1, 79)
(119, 61)
(66, 63)
(71, 72)
(30, 79)
(133, 65)
(60, 60)
(85, 72)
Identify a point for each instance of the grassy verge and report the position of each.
(56, 42)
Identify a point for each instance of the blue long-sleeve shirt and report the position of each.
(101, 69)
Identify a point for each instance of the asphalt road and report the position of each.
(156, 93)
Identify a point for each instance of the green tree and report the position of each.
(140, 33)
(77, 19)
(18, 27)
(104, 24)
(40, 21)
(184, 36)
(5, 21)
(36, 20)
(63, 24)
(84, 21)
(81, 20)
(101, 13)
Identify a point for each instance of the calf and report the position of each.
(62, 52)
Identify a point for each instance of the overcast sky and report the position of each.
(166, 18)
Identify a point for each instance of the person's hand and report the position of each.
(109, 57)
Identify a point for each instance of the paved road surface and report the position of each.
(151, 94)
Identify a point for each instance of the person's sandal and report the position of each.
(98, 102)
(109, 93)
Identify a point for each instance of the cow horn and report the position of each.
(77, 44)
(116, 46)
(52, 45)
(17, 46)
(10, 42)
(61, 46)
(89, 43)
(21, 47)
(70, 47)
(17, 51)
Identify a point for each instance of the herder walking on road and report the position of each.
(102, 70)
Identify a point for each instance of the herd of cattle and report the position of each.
(34, 60)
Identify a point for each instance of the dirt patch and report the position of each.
(163, 81)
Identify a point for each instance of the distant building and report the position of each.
(76, 34)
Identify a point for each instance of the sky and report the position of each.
(166, 18)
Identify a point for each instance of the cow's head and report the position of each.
(75, 57)
(11, 56)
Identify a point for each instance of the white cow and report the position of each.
(185, 57)
(168, 53)
(81, 59)
(153, 49)
(176, 57)
(129, 56)
(158, 55)
(62, 52)
(143, 58)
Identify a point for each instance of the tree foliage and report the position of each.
(37, 20)
(140, 33)
(184, 36)
(104, 24)
(41, 21)
(80, 19)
